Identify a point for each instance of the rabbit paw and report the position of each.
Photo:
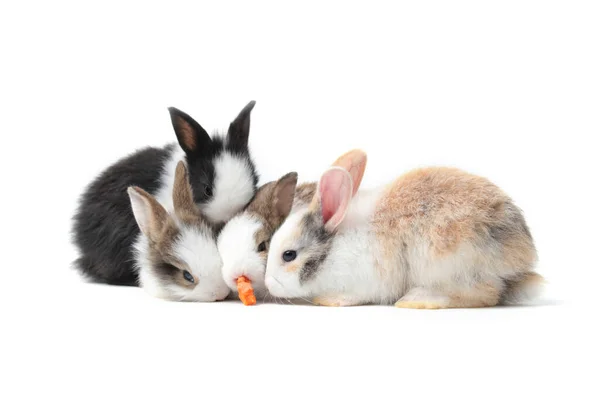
(422, 298)
(334, 301)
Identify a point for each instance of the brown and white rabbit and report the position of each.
(176, 254)
(432, 238)
(244, 241)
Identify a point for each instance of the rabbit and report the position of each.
(244, 240)
(433, 238)
(222, 176)
(176, 255)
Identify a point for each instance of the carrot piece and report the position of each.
(245, 291)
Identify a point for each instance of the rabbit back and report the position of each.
(104, 227)
(444, 225)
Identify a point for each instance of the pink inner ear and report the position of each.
(355, 162)
(329, 204)
(336, 190)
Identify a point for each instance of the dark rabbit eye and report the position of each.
(208, 191)
(262, 247)
(188, 277)
(289, 255)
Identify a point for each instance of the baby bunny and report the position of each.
(176, 254)
(222, 176)
(433, 238)
(244, 241)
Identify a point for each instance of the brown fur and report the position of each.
(292, 267)
(183, 199)
(263, 235)
(447, 207)
(186, 132)
(355, 162)
(158, 215)
(273, 201)
(480, 295)
(305, 192)
(476, 296)
(271, 206)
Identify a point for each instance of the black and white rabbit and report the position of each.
(221, 173)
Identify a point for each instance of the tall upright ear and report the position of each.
(150, 216)
(183, 197)
(283, 194)
(335, 192)
(239, 129)
(192, 138)
(355, 162)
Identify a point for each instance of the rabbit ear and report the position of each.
(150, 216)
(283, 194)
(192, 138)
(355, 162)
(239, 129)
(335, 191)
(183, 197)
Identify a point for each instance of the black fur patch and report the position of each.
(104, 227)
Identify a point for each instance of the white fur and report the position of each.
(525, 293)
(233, 188)
(198, 252)
(350, 263)
(238, 250)
(150, 283)
(141, 212)
(167, 178)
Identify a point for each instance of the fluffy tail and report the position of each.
(522, 288)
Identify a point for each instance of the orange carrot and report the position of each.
(245, 291)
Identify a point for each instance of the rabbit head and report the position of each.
(176, 254)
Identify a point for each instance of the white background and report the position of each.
(509, 90)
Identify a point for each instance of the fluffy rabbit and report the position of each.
(244, 241)
(433, 238)
(176, 254)
(222, 176)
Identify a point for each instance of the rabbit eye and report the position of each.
(262, 247)
(188, 277)
(289, 255)
(208, 191)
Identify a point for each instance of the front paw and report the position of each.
(421, 298)
(334, 301)
(422, 305)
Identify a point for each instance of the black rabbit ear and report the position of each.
(239, 129)
(192, 138)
